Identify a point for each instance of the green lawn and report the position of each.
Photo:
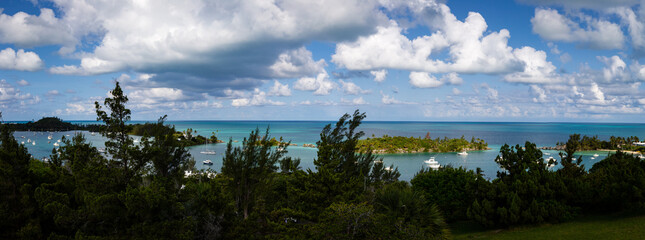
(590, 227)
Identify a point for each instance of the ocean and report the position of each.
(495, 134)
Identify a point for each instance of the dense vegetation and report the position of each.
(152, 190)
(587, 143)
(52, 124)
(398, 144)
(188, 137)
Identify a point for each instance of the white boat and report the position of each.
(49, 137)
(463, 153)
(28, 140)
(641, 157)
(596, 155)
(546, 153)
(548, 160)
(56, 144)
(101, 150)
(388, 169)
(23, 142)
(208, 152)
(58, 140)
(207, 162)
(432, 163)
(93, 133)
(592, 158)
(33, 143)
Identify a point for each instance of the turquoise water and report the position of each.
(300, 132)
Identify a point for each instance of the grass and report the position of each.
(614, 226)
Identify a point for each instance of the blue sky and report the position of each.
(417, 60)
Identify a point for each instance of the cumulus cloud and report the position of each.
(636, 27)
(456, 91)
(259, 98)
(536, 70)
(615, 69)
(592, 4)
(379, 75)
(212, 44)
(599, 34)
(470, 49)
(20, 60)
(388, 100)
(11, 96)
(424, 80)
(320, 85)
(355, 101)
(279, 89)
(296, 63)
(22, 82)
(351, 88)
(27, 30)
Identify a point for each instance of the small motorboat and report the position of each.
(463, 153)
(208, 152)
(596, 155)
(432, 163)
(207, 162)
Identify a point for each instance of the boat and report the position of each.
(546, 153)
(33, 143)
(432, 163)
(550, 165)
(463, 153)
(101, 150)
(28, 140)
(207, 162)
(389, 169)
(596, 155)
(56, 144)
(93, 133)
(23, 142)
(49, 137)
(58, 140)
(208, 152)
(592, 158)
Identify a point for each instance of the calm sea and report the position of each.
(300, 132)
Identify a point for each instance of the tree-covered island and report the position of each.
(399, 144)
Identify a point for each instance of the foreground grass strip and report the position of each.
(591, 227)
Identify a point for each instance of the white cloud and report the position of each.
(258, 99)
(22, 82)
(75, 108)
(225, 40)
(296, 63)
(592, 4)
(53, 93)
(154, 97)
(636, 27)
(539, 93)
(279, 89)
(355, 101)
(321, 85)
(537, 69)
(470, 50)
(20, 60)
(27, 30)
(424, 80)
(600, 34)
(388, 100)
(456, 91)
(452, 78)
(380, 75)
(351, 88)
(615, 70)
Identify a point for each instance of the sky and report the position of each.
(396, 60)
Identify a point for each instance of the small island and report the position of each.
(398, 144)
(189, 137)
(593, 143)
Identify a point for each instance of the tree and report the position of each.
(250, 168)
(16, 189)
(120, 145)
(342, 174)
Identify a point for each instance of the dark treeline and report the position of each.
(152, 190)
(53, 124)
(587, 143)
